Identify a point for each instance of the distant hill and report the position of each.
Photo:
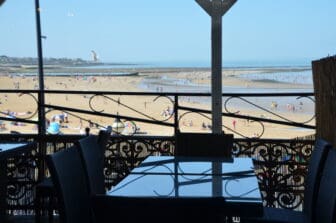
(30, 61)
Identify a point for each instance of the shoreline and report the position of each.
(10, 69)
(148, 104)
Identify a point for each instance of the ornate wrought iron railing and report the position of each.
(280, 165)
(260, 113)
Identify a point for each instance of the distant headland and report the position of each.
(32, 62)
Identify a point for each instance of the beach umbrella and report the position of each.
(216, 9)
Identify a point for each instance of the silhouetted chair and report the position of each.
(44, 192)
(326, 199)
(103, 137)
(312, 184)
(45, 189)
(203, 144)
(71, 186)
(93, 160)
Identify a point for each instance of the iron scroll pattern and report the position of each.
(273, 110)
(118, 103)
(23, 171)
(125, 153)
(280, 165)
(21, 179)
(23, 97)
(281, 168)
(172, 110)
(271, 115)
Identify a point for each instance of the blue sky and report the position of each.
(176, 31)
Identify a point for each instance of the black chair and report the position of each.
(103, 138)
(93, 160)
(45, 199)
(312, 184)
(45, 189)
(203, 144)
(70, 183)
(326, 200)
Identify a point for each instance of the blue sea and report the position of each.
(207, 64)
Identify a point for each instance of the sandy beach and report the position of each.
(156, 80)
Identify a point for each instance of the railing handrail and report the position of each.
(205, 94)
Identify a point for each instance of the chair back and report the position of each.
(203, 144)
(103, 137)
(326, 200)
(93, 162)
(67, 174)
(313, 178)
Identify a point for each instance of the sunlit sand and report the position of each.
(156, 108)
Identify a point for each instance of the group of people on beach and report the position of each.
(168, 112)
(289, 106)
(56, 122)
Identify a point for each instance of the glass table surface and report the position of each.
(9, 146)
(232, 179)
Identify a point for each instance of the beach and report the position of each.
(150, 107)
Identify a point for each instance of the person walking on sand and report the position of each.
(234, 122)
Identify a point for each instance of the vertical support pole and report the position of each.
(216, 80)
(216, 9)
(216, 92)
(41, 102)
(176, 121)
(41, 109)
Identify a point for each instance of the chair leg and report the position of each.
(51, 209)
(49, 202)
(38, 207)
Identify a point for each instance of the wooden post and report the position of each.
(324, 77)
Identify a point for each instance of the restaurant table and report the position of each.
(8, 150)
(229, 186)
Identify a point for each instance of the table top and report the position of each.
(9, 149)
(233, 180)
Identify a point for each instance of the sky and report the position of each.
(171, 31)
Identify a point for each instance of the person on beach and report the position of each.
(2, 125)
(54, 128)
(234, 122)
(60, 117)
(274, 105)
